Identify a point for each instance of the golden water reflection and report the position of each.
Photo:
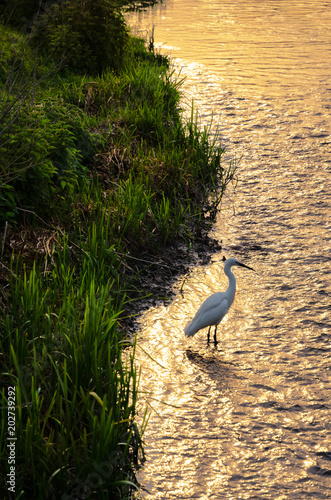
(251, 419)
(240, 413)
(248, 44)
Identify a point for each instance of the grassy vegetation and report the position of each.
(95, 168)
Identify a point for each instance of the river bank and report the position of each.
(100, 176)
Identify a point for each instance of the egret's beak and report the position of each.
(247, 267)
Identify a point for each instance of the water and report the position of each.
(252, 418)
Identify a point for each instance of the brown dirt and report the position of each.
(158, 274)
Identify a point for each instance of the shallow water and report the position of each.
(250, 419)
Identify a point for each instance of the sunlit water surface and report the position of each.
(252, 418)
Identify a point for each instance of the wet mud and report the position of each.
(155, 275)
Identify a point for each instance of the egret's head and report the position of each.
(234, 262)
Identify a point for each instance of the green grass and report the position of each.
(75, 395)
(94, 169)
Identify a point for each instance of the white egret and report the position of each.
(215, 307)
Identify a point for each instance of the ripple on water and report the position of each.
(252, 418)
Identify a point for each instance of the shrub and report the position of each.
(20, 13)
(44, 149)
(89, 35)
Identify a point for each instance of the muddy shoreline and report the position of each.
(159, 272)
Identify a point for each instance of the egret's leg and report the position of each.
(215, 339)
(208, 334)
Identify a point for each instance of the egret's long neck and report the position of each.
(232, 285)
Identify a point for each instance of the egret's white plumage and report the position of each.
(215, 307)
